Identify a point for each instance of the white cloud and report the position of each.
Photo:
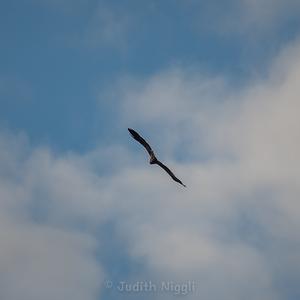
(40, 258)
(244, 194)
(40, 262)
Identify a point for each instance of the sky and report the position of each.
(213, 85)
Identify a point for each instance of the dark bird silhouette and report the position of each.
(153, 159)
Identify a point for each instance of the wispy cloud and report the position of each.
(247, 17)
(107, 27)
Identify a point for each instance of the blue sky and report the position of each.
(56, 56)
(212, 84)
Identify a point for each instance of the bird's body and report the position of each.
(153, 159)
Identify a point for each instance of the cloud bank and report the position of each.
(234, 230)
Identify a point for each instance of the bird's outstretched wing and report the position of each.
(169, 172)
(153, 159)
(138, 138)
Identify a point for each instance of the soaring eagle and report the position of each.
(153, 159)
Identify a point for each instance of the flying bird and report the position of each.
(153, 159)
